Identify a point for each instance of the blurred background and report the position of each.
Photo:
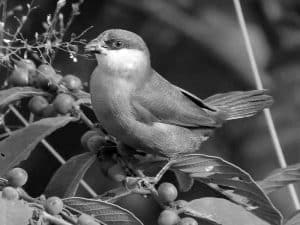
(197, 45)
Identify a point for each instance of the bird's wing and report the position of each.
(159, 100)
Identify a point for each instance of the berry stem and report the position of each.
(54, 220)
(86, 120)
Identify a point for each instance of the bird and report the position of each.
(144, 111)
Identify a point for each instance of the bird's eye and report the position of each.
(117, 44)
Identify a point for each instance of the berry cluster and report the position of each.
(167, 194)
(44, 77)
(16, 177)
(54, 206)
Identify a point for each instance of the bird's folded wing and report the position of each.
(160, 101)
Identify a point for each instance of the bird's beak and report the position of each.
(93, 46)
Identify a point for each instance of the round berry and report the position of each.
(86, 136)
(57, 78)
(167, 192)
(54, 205)
(168, 217)
(49, 111)
(44, 76)
(10, 193)
(72, 82)
(95, 143)
(188, 221)
(63, 103)
(85, 219)
(116, 173)
(17, 177)
(19, 77)
(46, 70)
(37, 104)
(29, 65)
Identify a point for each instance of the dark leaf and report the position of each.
(14, 212)
(8, 96)
(294, 219)
(280, 178)
(221, 211)
(66, 180)
(107, 213)
(231, 181)
(18, 146)
(185, 181)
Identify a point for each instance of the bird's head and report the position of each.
(120, 50)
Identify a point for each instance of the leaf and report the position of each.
(280, 178)
(66, 180)
(14, 212)
(8, 96)
(294, 219)
(107, 213)
(18, 146)
(221, 211)
(184, 180)
(231, 181)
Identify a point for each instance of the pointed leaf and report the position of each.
(280, 178)
(14, 212)
(185, 181)
(231, 181)
(294, 219)
(221, 211)
(107, 213)
(8, 96)
(66, 180)
(18, 146)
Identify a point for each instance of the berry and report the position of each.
(72, 82)
(116, 173)
(19, 77)
(95, 143)
(86, 136)
(188, 221)
(10, 193)
(17, 177)
(57, 78)
(44, 76)
(49, 111)
(28, 64)
(85, 219)
(37, 104)
(63, 103)
(167, 192)
(168, 217)
(54, 205)
(46, 70)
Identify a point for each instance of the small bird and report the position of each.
(144, 111)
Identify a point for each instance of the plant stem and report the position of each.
(54, 220)
(267, 112)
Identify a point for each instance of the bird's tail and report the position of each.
(240, 104)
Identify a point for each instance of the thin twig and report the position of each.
(51, 150)
(267, 112)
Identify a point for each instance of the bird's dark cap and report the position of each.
(128, 40)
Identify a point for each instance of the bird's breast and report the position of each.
(111, 102)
